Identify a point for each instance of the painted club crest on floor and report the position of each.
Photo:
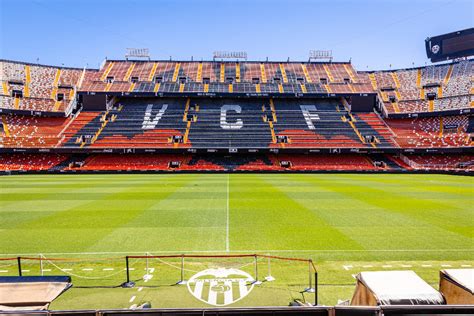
(221, 286)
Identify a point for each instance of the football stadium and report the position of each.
(231, 185)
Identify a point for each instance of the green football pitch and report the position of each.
(345, 223)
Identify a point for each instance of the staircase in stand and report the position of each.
(328, 73)
(107, 71)
(26, 91)
(306, 73)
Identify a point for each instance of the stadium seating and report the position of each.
(30, 162)
(128, 162)
(229, 124)
(316, 123)
(441, 162)
(326, 162)
(24, 131)
(460, 82)
(447, 103)
(451, 83)
(223, 77)
(210, 121)
(243, 163)
(434, 74)
(39, 86)
(372, 124)
(200, 163)
(186, 162)
(78, 121)
(428, 132)
(255, 163)
(409, 87)
(133, 124)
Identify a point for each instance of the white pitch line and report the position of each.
(466, 265)
(108, 269)
(238, 251)
(368, 266)
(132, 299)
(348, 267)
(406, 265)
(446, 265)
(227, 247)
(147, 277)
(25, 270)
(140, 289)
(387, 266)
(3, 271)
(87, 269)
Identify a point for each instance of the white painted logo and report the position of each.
(435, 49)
(221, 286)
(308, 116)
(238, 124)
(148, 122)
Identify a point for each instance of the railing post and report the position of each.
(128, 283)
(256, 268)
(269, 277)
(182, 268)
(310, 275)
(257, 282)
(41, 263)
(315, 288)
(19, 266)
(128, 271)
(182, 281)
(310, 288)
(146, 264)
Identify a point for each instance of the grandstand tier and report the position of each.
(232, 124)
(429, 90)
(219, 77)
(38, 88)
(235, 163)
(209, 123)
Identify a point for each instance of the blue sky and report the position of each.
(373, 33)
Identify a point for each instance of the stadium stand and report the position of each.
(36, 87)
(450, 83)
(223, 77)
(312, 123)
(24, 131)
(459, 82)
(30, 162)
(183, 111)
(133, 124)
(325, 162)
(440, 162)
(450, 131)
(229, 124)
(127, 162)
